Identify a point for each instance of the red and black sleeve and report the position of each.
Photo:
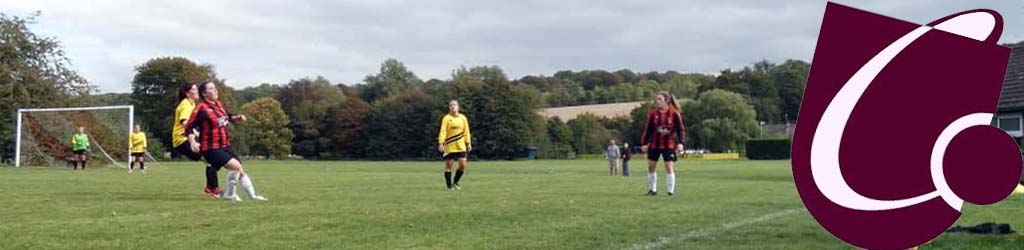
(648, 132)
(198, 117)
(679, 128)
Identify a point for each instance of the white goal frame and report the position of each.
(17, 140)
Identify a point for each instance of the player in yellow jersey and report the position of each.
(188, 94)
(454, 141)
(138, 145)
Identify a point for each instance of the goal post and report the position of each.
(20, 126)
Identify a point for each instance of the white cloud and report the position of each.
(274, 41)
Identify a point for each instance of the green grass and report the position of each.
(403, 205)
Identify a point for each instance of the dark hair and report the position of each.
(183, 91)
(202, 88)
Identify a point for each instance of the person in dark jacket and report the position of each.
(626, 155)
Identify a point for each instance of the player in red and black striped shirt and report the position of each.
(663, 135)
(213, 142)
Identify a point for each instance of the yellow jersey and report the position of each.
(454, 133)
(138, 142)
(181, 114)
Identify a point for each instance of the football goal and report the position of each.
(43, 135)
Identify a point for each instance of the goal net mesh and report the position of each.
(46, 137)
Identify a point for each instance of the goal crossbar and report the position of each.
(21, 112)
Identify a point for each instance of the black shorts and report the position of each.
(184, 149)
(80, 152)
(220, 157)
(454, 155)
(139, 154)
(666, 154)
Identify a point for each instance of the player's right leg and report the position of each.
(461, 171)
(448, 171)
(211, 188)
(652, 174)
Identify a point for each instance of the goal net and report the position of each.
(44, 135)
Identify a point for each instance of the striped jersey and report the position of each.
(138, 142)
(212, 121)
(663, 129)
(454, 134)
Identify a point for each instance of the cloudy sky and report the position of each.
(274, 41)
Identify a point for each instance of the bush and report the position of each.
(769, 149)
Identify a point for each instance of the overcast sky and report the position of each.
(275, 41)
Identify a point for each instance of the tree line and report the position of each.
(393, 114)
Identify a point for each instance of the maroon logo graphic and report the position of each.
(893, 134)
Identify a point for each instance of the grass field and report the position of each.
(403, 205)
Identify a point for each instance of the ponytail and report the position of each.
(670, 100)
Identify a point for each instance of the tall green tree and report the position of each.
(306, 101)
(396, 127)
(617, 127)
(269, 134)
(346, 128)
(764, 94)
(628, 76)
(503, 117)
(392, 79)
(34, 72)
(558, 135)
(637, 118)
(791, 79)
(589, 135)
(251, 93)
(154, 91)
(723, 120)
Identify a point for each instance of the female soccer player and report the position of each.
(138, 142)
(212, 121)
(188, 94)
(663, 136)
(454, 141)
(79, 144)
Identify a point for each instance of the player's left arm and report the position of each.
(442, 134)
(469, 137)
(680, 130)
(237, 117)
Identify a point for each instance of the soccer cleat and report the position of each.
(457, 187)
(235, 198)
(670, 194)
(651, 193)
(259, 198)
(130, 171)
(213, 193)
(450, 189)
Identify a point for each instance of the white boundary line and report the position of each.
(705, 232)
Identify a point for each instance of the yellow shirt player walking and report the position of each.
(138, 145)
(454, 140)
